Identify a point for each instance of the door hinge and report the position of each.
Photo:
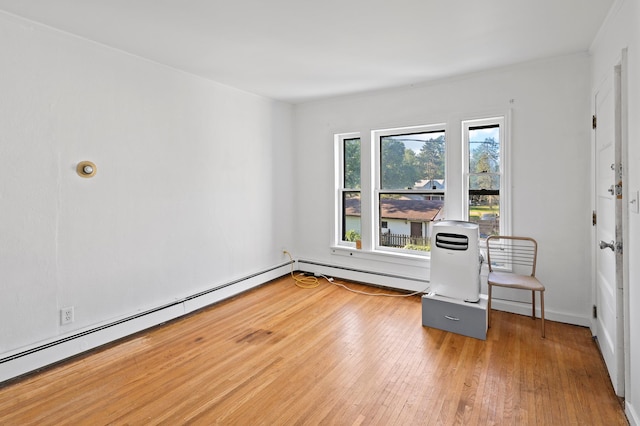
(594, 218)
(595, 311)
(594, 122)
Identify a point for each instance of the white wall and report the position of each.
(550, 157)
(193, 188)
(622, 30)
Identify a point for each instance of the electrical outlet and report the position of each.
(66, 315)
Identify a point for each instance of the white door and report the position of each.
(608, 203)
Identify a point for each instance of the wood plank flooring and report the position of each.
(282, 355)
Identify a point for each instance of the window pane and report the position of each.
(484, 149)
(485, 211)
(406, 220)
(352, 163)
(484, 178)
(412, 161)
(351, 212)
(486, 181)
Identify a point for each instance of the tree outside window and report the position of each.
(484, 177)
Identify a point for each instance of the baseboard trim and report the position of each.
(549, 314)
(632, 414)
(33, 358)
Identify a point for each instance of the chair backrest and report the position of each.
(515, 254)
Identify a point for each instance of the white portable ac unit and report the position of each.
(455, 260)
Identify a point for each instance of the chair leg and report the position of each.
(489, 307)
(533, 304)
(542, 311)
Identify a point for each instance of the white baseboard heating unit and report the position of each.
(455, 260)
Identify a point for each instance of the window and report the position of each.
(348, 151)
(483, 141)
(410, 187)
(412, 177)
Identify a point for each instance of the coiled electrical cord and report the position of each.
(304, 281)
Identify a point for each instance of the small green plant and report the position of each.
(417, 247)
(351, 235)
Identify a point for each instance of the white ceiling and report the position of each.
(301, 50)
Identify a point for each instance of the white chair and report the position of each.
(512, 264)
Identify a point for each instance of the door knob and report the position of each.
(610, 245)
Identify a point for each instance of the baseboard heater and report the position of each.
(361, 271)
(169, 312)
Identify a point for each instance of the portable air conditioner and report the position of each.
(455, 260)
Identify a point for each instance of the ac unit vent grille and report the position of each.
(452, 241)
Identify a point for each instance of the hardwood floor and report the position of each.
(282, 355)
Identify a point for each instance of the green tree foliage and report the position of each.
(431, 158)
(352, 163)
(485, 163)
(484, 168)
(393, 166)
(401, 167)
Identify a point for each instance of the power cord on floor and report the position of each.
(332, 281)
(304, 281)
(307, 281)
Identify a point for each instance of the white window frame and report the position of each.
(376, 137)
(339, 185)
(505, 167)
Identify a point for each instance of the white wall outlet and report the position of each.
(66, 315)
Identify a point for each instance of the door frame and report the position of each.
(624, 152)
(619, 75)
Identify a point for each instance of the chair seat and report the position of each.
(508, 279)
